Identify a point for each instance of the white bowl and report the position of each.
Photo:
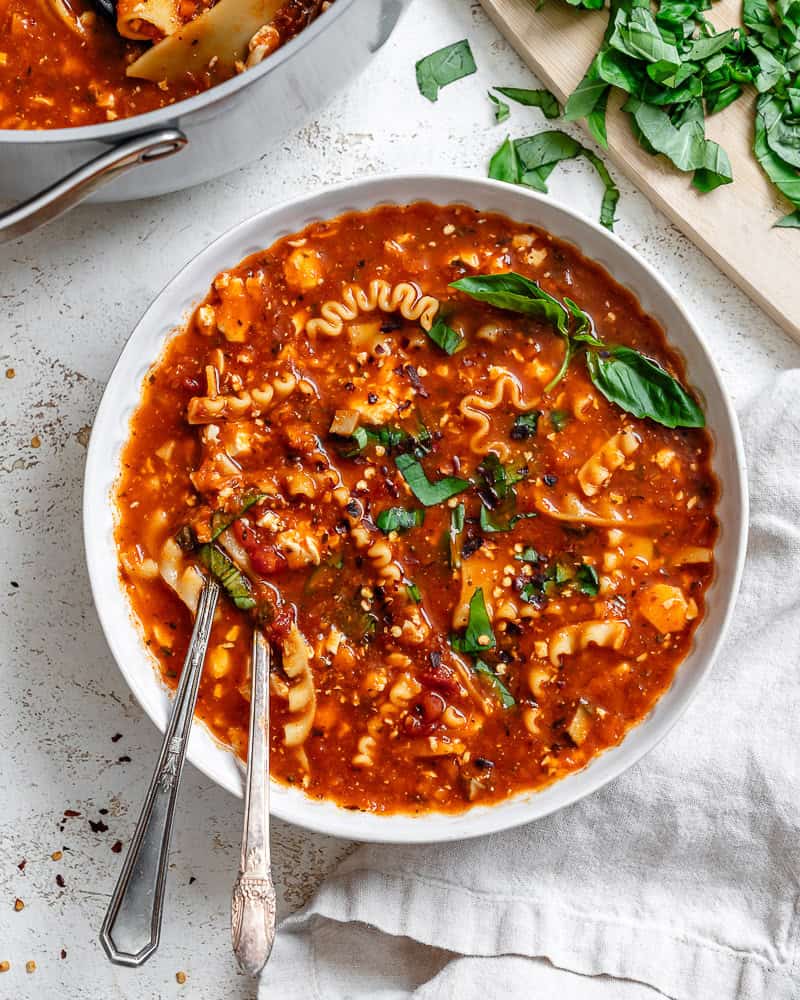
(172, 308)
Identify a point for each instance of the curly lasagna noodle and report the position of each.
(475, 573)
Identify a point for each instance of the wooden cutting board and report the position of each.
(732, 225)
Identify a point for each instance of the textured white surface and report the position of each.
(69, 297)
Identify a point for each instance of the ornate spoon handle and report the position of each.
(132, 927)
(253, 901)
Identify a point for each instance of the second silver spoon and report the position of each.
(253, 902)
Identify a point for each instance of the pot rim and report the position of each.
(168, 115)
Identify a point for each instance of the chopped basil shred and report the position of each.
(445, 336)
(234, 582)
(399, 519)
(559, 420)
(501, 109)
(221, 522)
(531, 160)
(413, 593)
(478, 635)
(490, 524)
(428, 493)
(539, 98)
(507, 699)
(525, 426)
(457, 520)
(444, 66)
(528, 555)
(586, 580)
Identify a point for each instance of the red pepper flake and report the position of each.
(116, 737)
(116, 847)
(103, 812)
(60, 881)
(18, 905)
(98, 827)
(124, 759)
(63, 952)
(71, 813)
(22, 864)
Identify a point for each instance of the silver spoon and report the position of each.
(253, 900)
(132, 927)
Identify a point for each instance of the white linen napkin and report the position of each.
(679, 878)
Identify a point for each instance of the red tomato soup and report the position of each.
(63, 64)
(475, 569)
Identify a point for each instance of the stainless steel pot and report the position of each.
(197, 139)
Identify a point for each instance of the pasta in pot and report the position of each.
(474, 580)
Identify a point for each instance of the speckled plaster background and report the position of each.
(76, 750)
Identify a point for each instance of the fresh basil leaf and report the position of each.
(785, 179)
(429, 494)
(478, 635)
(444, 66)
(501, 109)
(234, 583)
(528, 555)
(506, 697)
(641, 387)
(457, 520)
(586, 580)
(791, 221)
(539, 98)
(221, 522)
(504, 164)
(399, 519)
(716, 171)
(608, 205)
(770, 70)
(525, 425)
(596, 120)
(782, 129)
(413, 593)
(445, 336)
(684, 146)
(515, 293)
(586, 96)
(490, 524)
(559, 419)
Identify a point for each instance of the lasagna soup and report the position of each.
(62, 63)
(453, 471)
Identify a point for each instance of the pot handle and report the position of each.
(61, 196)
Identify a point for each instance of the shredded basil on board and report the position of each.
(235, 583)
(538, 98)
(428, 493)
(444, 66)
(399, 519)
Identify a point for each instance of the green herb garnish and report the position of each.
(625, 377)
(525, 426)
(399, 519)
(428, 493)
(234, 582)
(490, 524)
(478, 635)
(528, 555)
(457, 519)
(444, 66)
(501, 109)
(539, 98)
(531, 160)
(413, 593)
(642, 387)
(507, 699)
(221, 522)
(586, 580)
(559, 419)
(445, 336)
